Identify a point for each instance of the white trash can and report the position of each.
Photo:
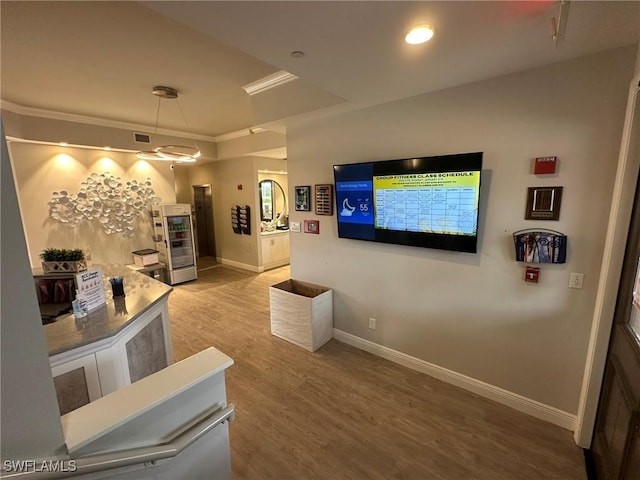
(301, 313)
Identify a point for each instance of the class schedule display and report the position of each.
(427, 202)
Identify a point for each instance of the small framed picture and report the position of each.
(543, 203)
(303, 198)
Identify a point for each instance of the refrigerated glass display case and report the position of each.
(173, 229)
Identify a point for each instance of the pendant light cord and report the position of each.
(155, 130)
(187, 124)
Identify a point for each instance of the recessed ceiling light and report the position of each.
(297, 54)
(419, 34)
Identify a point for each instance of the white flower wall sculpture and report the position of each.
(104, 197)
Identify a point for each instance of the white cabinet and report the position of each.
(88, 372)
(275, 249)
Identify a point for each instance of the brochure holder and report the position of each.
(540, 246)
(241, 219)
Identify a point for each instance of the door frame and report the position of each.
(617, 231)
(212, 239)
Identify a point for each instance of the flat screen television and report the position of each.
(424, 202)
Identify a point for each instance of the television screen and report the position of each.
(424, 202)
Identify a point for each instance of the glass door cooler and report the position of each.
(175, 242)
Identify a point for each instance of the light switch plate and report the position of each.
(294, 226)
(576, 280)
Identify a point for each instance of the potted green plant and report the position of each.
(62, 260)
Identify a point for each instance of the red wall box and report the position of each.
(312, 226)
(532, 274)
(545, 165)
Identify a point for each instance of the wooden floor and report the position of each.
(341, 413)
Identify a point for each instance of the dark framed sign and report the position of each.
(543, 203)
(324, 199)
(303, 198)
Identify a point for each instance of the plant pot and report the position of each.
(64, 266)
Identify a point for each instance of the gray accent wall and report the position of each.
(146, 352)
(71, 390)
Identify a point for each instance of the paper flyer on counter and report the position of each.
(91, 288)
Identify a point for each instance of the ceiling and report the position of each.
(101, 59)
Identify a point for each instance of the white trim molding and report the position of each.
(101, 122)
(505, 397)
(238, 134)
(244, 266)
(270, 81)
(610, 271)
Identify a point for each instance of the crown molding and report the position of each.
(239, 134)
(71, 117)
(11, 139)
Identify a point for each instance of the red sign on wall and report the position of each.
(545, 165)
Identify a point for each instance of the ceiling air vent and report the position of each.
(142, 138)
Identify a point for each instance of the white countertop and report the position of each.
(275, 232)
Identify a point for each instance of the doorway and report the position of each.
(615, 447)
(205, 234)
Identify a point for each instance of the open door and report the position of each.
(616, 441)
(205, 236)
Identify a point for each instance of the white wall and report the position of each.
(474, 314)
(42, 169)
(31, 426)
(184, 190)
(234, 249)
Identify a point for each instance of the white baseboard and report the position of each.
(244, 266)
(279, 263)
(523, 404)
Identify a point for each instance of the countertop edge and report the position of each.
(105, 314)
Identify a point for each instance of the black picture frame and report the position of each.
(303, 198)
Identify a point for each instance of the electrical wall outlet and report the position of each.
(576, 280)
(372, 323)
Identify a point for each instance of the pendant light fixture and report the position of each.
(170, 153)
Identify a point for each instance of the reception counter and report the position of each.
(115, 345)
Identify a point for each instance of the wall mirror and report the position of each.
(273, 202)
(266, 200)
